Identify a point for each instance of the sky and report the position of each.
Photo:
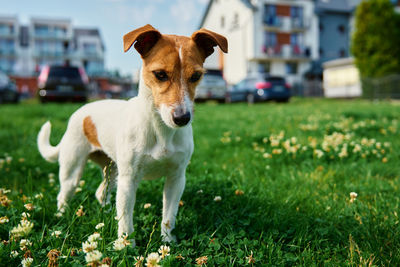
(114, 18)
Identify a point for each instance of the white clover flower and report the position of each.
(200, 191)
(39, 196)
(164, 251)
(14, 254)
(27, 262)
(319, 153)
(4, 219)
(93, 256)
(4, 191)
(81, 183)
(138, 261)
(24, 243)
(78, 189)
(89, 246)
(58, 214)
(153, 259)
(100, 225)
(217, 199)
(267, 156)
(9, 159)
(29, 206)
(94, 237)
(22, 229)
(121, 243)
(147, 205)
(56, 233)
(353, 196)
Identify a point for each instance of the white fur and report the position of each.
(143, 143)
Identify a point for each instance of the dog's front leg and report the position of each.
(127, 184)
(173, 189)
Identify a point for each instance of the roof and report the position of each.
(339, 62)
(337, 6)
(247, 3)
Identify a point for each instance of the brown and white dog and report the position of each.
(147, 137)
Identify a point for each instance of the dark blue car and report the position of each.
(260, 87)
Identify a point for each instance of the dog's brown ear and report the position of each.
(206, 40)
(143, 38)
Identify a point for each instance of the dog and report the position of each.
(146, 137)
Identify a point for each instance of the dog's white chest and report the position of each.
(161, 161)
(164, 158)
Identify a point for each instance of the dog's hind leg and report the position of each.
(72, 162)
(103, 192)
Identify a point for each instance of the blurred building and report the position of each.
(9, 43)
(278, 37)
(25, 49)
(290, 38)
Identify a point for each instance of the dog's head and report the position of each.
(172, 68)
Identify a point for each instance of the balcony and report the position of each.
(7, 32)
(298, 24)
(286, 24)
(50, 34)
(7, 52)
(52, 54)
(280, 52)
(273, 21)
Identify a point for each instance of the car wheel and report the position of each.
(250, 99)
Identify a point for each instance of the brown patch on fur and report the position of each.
(165, 56)
(90, 131)
(178, 56)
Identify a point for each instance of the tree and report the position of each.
(376, 40)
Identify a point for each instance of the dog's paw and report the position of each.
(169, 238)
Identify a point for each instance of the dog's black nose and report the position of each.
(181, 119)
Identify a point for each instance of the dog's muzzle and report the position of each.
(181, 118)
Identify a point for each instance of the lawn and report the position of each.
(268, 185)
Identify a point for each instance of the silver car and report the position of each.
(211, 87)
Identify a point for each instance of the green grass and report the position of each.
(295, 209)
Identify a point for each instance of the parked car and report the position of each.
(8, 90)
(260, 87)
(62, 83)
(211, 87)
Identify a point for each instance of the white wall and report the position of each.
(240, 37)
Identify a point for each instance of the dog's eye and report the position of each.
(161, 75)
(195, 77)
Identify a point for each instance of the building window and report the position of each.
(222, 22)
(236, 19)
(270, 17)
(342, 53)
(296, 13)
(321, 52)
(321, 27)
(264, 67)
(291, 68)
(341, 29)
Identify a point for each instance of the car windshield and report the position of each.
(212, 78)
(275, 80)
(69, 73)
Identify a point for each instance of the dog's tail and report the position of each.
(49, 152)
